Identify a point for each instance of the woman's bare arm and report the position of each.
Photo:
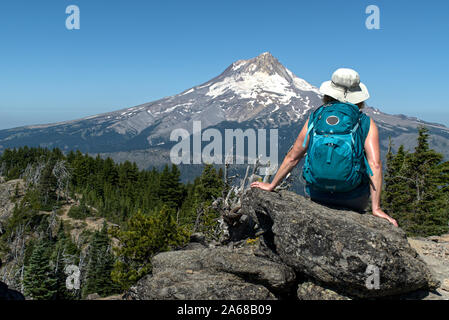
(372, 151)
(290, 161)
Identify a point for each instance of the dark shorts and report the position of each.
(356, 200)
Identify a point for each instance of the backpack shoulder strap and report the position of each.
(311, 123)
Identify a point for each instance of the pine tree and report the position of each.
(39, 281)
(209, 187)
(415, 185)
(396, 195)
(47, 186)
(171, 191)
(101, 261)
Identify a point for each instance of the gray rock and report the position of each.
(196, 285)
(219, 273)
(312, 291)
(335, 247)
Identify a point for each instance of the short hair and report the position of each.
(328, 99)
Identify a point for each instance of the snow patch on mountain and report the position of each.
(251, 86)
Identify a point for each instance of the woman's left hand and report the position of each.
(379, 213)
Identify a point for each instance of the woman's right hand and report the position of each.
(262, 185)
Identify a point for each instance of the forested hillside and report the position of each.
(143, 212)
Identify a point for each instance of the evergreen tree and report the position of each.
(210, 185)
(171, 191)
(101, 261)
(396, 195)
(39, 281)
(47, 186)
(196, 211)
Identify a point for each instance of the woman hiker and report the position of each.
(341, 147)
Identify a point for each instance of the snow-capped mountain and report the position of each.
(256, 89)
(257, 93)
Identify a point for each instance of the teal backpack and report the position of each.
(335, 160)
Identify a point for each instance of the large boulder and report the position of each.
(214, 274)
(342, 250)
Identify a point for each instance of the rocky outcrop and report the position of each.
(214, 273)
(10, 192)
(305, 251)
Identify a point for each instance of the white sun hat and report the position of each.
(345, 86)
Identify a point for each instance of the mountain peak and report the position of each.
(266, 57)
(265, 63)
(262, 74)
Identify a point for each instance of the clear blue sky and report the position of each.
(135, 51)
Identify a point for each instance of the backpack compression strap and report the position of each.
(368, 168)
(307, 134)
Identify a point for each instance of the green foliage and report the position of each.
(16, 160)
(416, 185)
(47, 187)
(39, 279)
(171, 191)
(25, 215)
(196, 211)
(117, 191)
(145, 235)
(99, 267)
(210, 184)
(45, 261)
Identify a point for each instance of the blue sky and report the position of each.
(135, 51)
